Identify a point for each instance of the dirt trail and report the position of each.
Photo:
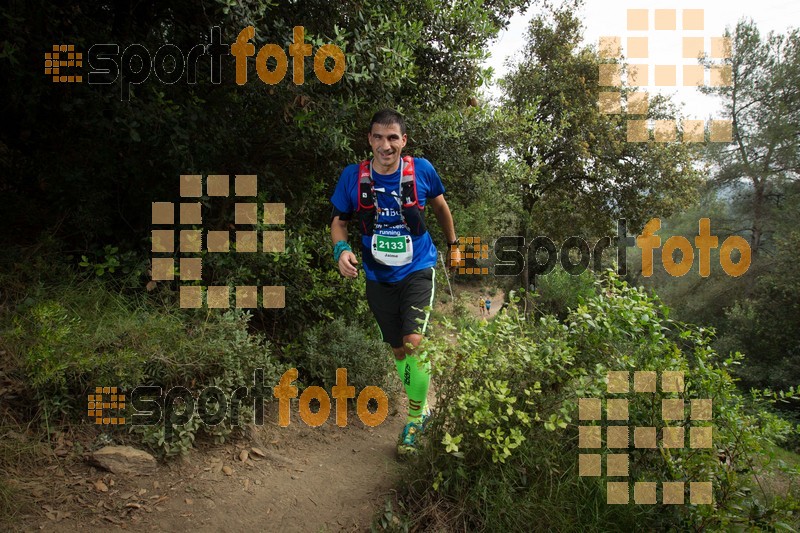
(496, 302)
(313, 479)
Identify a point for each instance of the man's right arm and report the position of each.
(347, 260)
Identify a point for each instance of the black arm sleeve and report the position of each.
(342, 216)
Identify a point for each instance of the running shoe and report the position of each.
(408, 442)
(408, 439)
(425, 419)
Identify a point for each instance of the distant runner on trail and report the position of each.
(488, 306)
(481, 304)
(386, 197)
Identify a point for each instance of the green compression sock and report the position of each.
(417, 379)
(401, 368)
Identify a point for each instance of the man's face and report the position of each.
(387, 143)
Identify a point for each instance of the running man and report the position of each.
(386, 197)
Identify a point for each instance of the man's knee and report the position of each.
(413, 339)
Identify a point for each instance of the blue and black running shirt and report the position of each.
(389, 221)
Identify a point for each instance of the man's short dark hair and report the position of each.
(387, 117)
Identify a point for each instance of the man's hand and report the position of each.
(347, 259)
(347, 264)
(454, 258)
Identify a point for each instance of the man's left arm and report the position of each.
(445, 218)
(434, 193)
(443, 215)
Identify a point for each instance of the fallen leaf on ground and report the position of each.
(257, 452)
(57, 516)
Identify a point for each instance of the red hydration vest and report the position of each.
(411, 212)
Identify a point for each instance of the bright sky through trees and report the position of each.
(609, 18)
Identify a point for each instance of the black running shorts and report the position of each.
(399, 307)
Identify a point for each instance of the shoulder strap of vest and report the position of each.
(408, 186)
(366, 195)
(408, 183)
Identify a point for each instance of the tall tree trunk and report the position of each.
(758, 214)
(528, 201)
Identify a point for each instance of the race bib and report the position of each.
(392, 251)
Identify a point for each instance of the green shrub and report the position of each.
(502, 452)
(315, 291)
(339, 343)
(80, 336)
(559, 291)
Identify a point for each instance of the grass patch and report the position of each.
(73, 337)
(19, 456)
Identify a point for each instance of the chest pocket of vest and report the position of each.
(411, 212)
